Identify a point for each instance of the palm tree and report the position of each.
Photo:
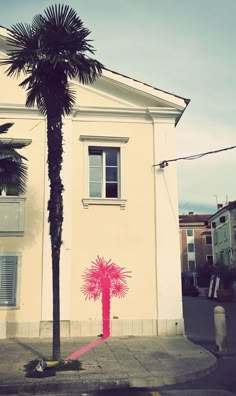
(105, 279)
(49, 52)
(13, 171)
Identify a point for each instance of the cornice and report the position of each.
(19, 111)
(92, 138)
(130, 114)
(162, 113)
(94, 113)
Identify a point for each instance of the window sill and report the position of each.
(104, 201)
(9, 307)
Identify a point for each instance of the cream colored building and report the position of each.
(130, 218)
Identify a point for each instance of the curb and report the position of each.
(72, 386)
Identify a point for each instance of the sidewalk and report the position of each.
(115, 363)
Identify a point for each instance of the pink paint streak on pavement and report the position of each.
(85, 349)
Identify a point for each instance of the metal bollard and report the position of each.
(220, 329)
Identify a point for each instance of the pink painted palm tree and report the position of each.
(105, 279)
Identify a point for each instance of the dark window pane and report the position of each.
(111, 190)
(12, 191)
(208, 240)
(95, 190)
(190, 247)
(191, 265)
(111, 157)
(111, 174)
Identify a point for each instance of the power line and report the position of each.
(165, 163)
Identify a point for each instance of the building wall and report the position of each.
(126, 236)
(135, 234)
(201, 249)
(28, 247)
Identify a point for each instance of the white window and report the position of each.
(104, 172)
(8, 280)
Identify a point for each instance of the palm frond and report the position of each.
(49, 52)
(13, 175)
(4, 127)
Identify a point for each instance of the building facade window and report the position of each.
(9, 192)
(190, 247)
(234, 232)
(191, 265)
(209, 259)
(189, 233)
(215, 237)
(104, 172)
(208, 240)
(8, 280)
(225, 233)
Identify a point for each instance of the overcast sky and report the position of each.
(186, 47)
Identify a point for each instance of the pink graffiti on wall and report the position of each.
(104, 279)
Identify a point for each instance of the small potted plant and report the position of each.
(227, 276)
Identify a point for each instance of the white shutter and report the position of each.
(8, 277)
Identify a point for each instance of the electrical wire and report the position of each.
(165, 163)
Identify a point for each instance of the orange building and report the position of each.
(195, 241)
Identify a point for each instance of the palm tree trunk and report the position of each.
(55, 218)
(106, 305)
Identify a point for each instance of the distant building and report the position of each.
(223, 226)
(195, 241)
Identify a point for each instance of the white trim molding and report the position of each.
(102, 139)
(104, 201)
(15, 143)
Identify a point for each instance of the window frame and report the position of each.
(17, 280)
(104, 181)
(104, 142)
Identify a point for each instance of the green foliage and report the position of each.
(68, 365)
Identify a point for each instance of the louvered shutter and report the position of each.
(8, 276)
